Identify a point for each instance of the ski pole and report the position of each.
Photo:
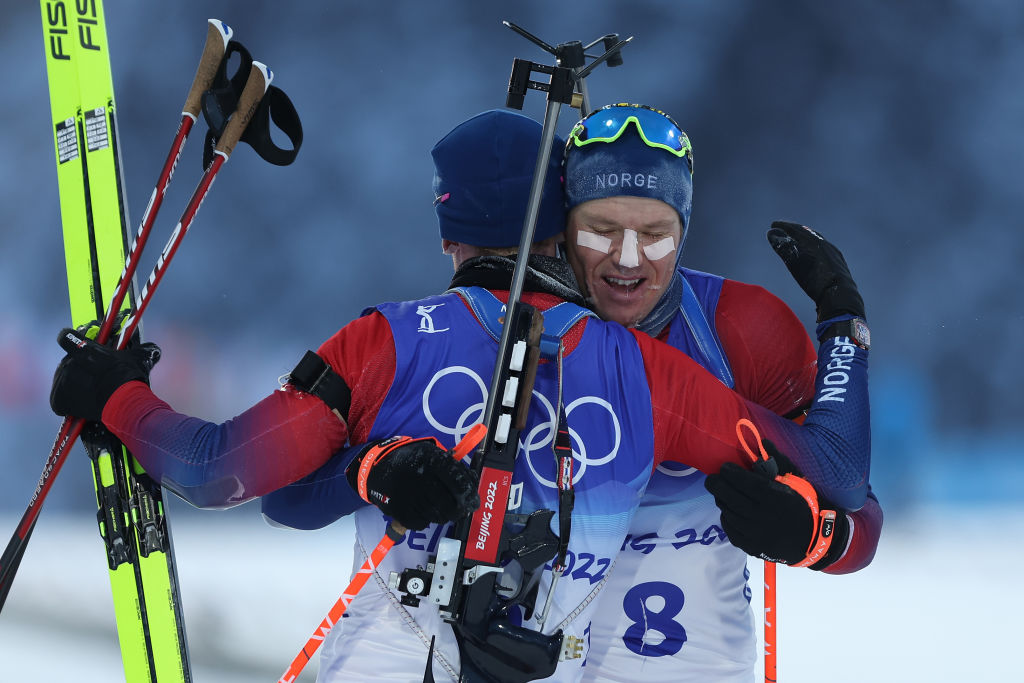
(771, 639)
(256, 85)
(392, 535)
(771, 612)
(217, 36)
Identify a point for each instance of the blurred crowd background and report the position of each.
(893, 128)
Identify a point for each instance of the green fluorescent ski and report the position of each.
(130, 509)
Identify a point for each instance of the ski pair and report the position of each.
(132, 524)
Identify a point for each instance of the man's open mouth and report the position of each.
(626, 285)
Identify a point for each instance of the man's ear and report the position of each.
(448, 247)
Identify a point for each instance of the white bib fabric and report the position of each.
(380, 639)
(676, 608)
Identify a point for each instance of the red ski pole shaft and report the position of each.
(255, 87)
(217, 36)
(392, 535)
(771, 612)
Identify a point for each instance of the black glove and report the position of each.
(772, 513)
(819, 268)
(90, 373)
(414, 481)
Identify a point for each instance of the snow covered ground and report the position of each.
(941, 602)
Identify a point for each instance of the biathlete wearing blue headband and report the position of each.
(722, 637)
(677, 605)
(418, 368)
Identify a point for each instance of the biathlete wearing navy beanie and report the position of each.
(483, 170)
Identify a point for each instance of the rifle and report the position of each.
(468, 578)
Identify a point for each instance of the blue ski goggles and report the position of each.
(656, 129)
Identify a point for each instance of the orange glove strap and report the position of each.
(824, 521)
(376, 454)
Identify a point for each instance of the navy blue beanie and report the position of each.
(627, 166)
(483, 170)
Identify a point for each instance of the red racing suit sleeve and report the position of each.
(695, 418)
(771, 355)
(865, 530)
(281, 439)
(363, 353)
(774, 365)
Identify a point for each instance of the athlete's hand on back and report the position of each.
(771, 512)
(414, 481)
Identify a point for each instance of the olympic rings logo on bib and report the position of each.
(675, 469)
(537, 438)
(469, 417)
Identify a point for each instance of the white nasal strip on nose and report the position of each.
(630, 255)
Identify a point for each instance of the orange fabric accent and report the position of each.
(473, 437)
(824, 532)
(376, 454)
(744, 422)
(823, 520)
(370, 459)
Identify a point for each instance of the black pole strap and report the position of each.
(222, 99)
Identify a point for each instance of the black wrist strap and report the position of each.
(314, 376)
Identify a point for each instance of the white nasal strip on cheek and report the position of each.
(630, 255)
(592, 241)
(660, 249)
